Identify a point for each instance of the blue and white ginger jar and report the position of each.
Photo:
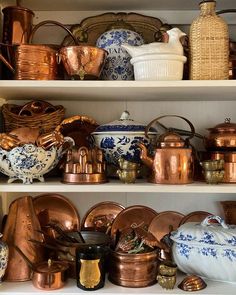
(117, 65)
(120, 138)
(206, 249)
(4, 253)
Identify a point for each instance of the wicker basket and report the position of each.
(46, 122)
(209, 45)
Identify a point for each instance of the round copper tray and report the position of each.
(165, 222)
(196, 216)
(54, 208)
(101, 216)
(133, 216)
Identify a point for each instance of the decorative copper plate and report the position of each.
(100, 217)
(133, 216)
(165, 222)
(79, 128)
(91, 28)
(54, 208)
(196, 216)
(229, 208)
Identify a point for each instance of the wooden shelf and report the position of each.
(216, 288)
(119, 90)
(116, 186)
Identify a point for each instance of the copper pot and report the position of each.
(222, 136)
(83, 62)
(35, 62)
(47, 275)
(133, 270)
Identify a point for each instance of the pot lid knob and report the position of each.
(171, 139)
(125, 116)
(227, 120)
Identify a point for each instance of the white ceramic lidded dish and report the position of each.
(120, 138)
(206, 249)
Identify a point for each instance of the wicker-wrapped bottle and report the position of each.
(209, 45)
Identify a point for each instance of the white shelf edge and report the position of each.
(22, 288)
(116, 186)
(119, 90)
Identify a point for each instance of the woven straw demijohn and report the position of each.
(209, 45)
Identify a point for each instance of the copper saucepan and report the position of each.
(47, 275)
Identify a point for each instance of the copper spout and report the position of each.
(144, 157)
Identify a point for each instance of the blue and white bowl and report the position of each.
(117, 65)
(120, 138)
(30, 162)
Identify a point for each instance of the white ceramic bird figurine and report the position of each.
(173, 46)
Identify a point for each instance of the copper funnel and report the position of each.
(22, 225)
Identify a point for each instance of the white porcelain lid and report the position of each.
(124, 124)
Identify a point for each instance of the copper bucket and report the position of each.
(36, 62)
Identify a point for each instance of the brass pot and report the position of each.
(133, 270)
(222, 136)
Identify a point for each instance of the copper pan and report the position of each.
(35, 62)
(46, 275)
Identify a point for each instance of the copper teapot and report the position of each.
(173, 159)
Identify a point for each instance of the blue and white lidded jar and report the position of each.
(117, 65)
(120, 138)
(4, 252)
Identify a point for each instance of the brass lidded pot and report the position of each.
(222, 136)
(173, 158)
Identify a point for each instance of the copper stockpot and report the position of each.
(133, 270)
(47, 275)
(173, 158)
(35, 62)
(222, 136)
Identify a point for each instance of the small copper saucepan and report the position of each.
(47, 275)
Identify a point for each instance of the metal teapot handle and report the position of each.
(221, 221)
(54, 23)
(191, 133)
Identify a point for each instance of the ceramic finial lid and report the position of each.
(125, 116)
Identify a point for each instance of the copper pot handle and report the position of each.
(192, 132)
(54, 23)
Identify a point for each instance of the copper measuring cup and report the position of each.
(36, 62)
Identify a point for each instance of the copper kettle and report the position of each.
(173, 159)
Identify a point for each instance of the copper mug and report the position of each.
(35, 62)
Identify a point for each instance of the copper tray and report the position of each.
(165, 222)
(229, 208)
(101, 216)
(79, 128)
(195, 216)
(91, 28)
(56, 208)
(132, 216)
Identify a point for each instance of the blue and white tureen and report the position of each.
(206, 249)
(120, 137)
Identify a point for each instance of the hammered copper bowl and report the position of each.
(83, 62)
(133, 270)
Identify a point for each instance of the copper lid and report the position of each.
(227, 126)
(51, 266)
(171, 139)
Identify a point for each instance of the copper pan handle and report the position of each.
(54, 23)
(191, 133)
